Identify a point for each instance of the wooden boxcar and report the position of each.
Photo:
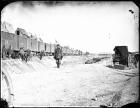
(41, 46)
(47, 48)
(52, 48)
(9, 39)
(34, 45)
(29, 43)
(22, 40)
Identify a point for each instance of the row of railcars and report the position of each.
(21, 39)
(69, 51)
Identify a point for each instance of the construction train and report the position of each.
(21, 39)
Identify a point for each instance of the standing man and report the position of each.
(41, 54)
(58, 55)
(9, 51)
(21, 53)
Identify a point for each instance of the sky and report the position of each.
(95, 27)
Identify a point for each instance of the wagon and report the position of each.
(121, 55)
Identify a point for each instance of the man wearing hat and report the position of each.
(58, 54)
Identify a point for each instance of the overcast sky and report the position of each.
(94, 27)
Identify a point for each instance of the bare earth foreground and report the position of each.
(40, 83)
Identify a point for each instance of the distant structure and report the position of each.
(87, 53)
(20, 38)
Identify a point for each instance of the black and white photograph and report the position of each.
(70, 54)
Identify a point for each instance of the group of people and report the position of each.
(26, 55)
(6, 53)
(9, 53)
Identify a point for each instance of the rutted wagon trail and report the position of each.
(40, 83)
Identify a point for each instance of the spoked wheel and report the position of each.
(6, 90)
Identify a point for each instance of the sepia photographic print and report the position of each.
(70, 54)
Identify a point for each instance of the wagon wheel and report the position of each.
(6, 89)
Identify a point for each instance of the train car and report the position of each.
(80, 52)
(15, 41)
(68, 51)
(74, 52)
(34, 45)
(10, 41)
(29, 43)
(71, 51)
(52, 48)
(65, 50)
(7, 40)
(41, 46)
(48, 49)
(23, 39)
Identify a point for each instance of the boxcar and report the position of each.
(29, 43)
(15, 40)
(41, 46)
(52, 48)
(65, 50)
(9, 39)
(34, 45)
(47, 48)
(22, 40)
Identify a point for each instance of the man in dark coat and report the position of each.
(41, 54)
(58, 54)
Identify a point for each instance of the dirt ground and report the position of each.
(40, 83)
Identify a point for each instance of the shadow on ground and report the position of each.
(121, 67)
